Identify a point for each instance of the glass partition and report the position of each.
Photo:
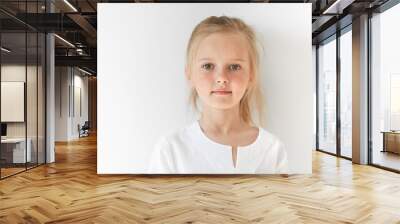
(22, 101)
(327, 96)
(13, 103)
(346, 93)
(32, 95)
(41, 86)
(385, 89)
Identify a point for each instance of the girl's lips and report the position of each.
(222, 92)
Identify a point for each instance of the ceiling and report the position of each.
(76, 22)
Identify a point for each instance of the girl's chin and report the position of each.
(222, 105)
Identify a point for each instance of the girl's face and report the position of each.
(220, 71)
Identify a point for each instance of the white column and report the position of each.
(360, 90)
(50, 93)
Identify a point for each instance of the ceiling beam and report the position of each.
(337, 7)
(85, 61)
(85, 25)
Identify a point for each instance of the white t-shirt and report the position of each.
(190, 151)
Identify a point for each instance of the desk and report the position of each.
(15, 148)
(391, 141)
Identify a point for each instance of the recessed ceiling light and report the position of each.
(86, 72)
(64, 40)
(70, 5)
(337, 7)
(5, 50)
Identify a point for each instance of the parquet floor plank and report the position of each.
(70, 191)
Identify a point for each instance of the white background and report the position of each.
(142, 91)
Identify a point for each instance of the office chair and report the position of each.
(84, 130)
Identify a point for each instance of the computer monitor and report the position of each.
(3, 129)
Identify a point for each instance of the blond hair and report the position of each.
(253, 97)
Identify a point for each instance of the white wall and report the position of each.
(68, 80)
(61, 103)
(142, 92)
(314, 73)
(80, 83)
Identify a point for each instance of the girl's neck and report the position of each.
(222, 121)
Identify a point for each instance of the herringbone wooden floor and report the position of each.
(70, 191)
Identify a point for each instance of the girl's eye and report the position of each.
(234, 67)
(207, 66)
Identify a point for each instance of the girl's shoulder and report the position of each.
(178, 136)
(270, 139)
(266, 134)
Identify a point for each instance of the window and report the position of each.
(327, 96)
(385, 89)
(346, 93)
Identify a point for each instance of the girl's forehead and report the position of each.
(224, 37)
(223, 45)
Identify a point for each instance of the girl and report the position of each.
(222, 68)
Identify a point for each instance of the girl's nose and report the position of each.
(221, 77)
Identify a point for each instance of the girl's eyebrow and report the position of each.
(238, 59)
(210, 59)
(205, 59)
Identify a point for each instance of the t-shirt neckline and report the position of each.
(220, 145)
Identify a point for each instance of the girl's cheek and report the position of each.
(241, 78)
(206, 79)
(203, 84)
